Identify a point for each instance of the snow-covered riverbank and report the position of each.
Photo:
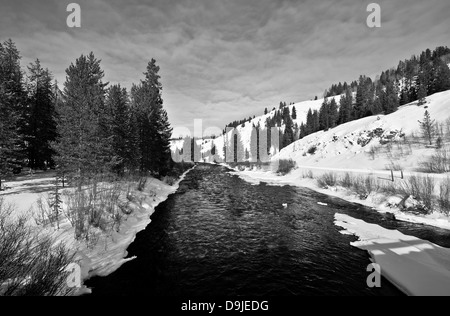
(415, 266)
(105, 252)
(378, 201)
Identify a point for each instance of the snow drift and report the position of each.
(417, 267)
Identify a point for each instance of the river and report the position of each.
(221, 236)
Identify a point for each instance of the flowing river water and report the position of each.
(221, 236)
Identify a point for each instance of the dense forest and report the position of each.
(86, 130)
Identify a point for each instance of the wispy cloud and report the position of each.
(224, 59)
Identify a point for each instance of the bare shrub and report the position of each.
(285, 166)
(110, 204)
(447, 129)
(373, 152)
(327, 180)
(170, 180)
(307, 174)
(99, 206)
(77, 212)
(49, 209)
(141, 183)
(312, 150)
(444, 197)
(29, 265)
(420, 188)
(439, 162)
(346, 181)
(394, 166)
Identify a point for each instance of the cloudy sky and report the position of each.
(223, 60)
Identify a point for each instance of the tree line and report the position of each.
(413, 80)
(85, 130)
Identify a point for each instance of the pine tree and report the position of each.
(288, 135)
(309, 128)
(56, 202)
(421, 92)
(428, 127)
(265, 111)
(316, 124)
(294, 113)
(324, 116)
(154, 128)
(40, 116)
(359, 108)
(117, 102)
(332, 114)
(84, 146)
(12, 111)
(345, 107)
(441, 80)
(391, 98)
(302, 131)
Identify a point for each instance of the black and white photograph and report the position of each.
(219, 156)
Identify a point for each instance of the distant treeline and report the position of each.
(413, 80)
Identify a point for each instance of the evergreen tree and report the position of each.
(302, 131)
(154, 128)
(40, 116)
(83, 146)
(391, 98)
(324, 116)
(441, 80)
(309, 128)
(294, 113)
(316, 124)
(332, 114)
(288, 135)
(12, 111)
(345, 108)
(265, 111)
(117, 102)
(421, 90)
(428, 127)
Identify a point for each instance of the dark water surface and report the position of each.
(218, 235)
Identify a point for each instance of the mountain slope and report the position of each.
(350, 145)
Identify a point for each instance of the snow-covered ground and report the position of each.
(106, 252)
(378, 201)
(245, 132)
(417, 267)
(348, 146)
(346, 149)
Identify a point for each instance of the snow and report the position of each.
(378, 201)
(347, 145)
(108, 252)
(417, 267)
(245, 132)
(344, 149)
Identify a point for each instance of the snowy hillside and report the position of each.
(348, 146)
(245, 132)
